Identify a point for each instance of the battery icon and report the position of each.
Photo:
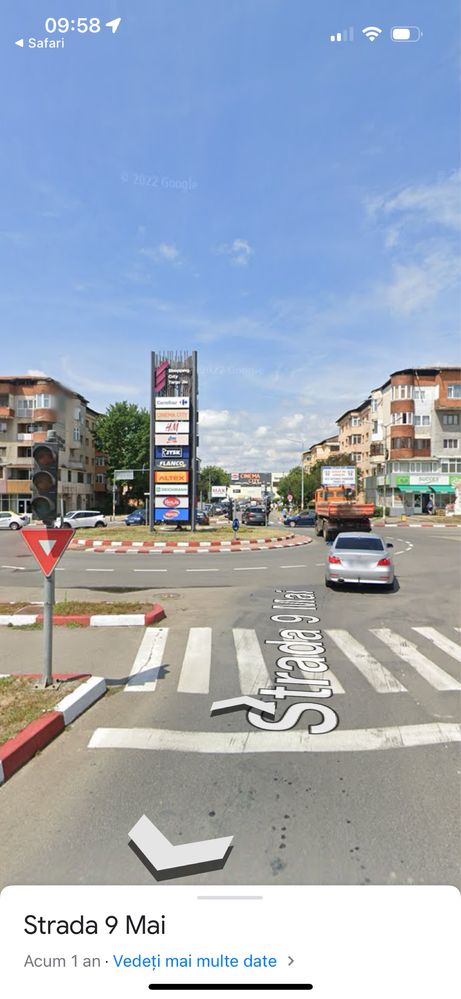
(406, 34)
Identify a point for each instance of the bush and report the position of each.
(379, 511)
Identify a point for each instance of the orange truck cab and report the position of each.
(337, 509)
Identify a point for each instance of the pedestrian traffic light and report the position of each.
(45, 481)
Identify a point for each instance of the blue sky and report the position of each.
(218, 175)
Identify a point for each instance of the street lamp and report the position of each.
(301, 442)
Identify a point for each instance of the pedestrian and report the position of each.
(429, 506)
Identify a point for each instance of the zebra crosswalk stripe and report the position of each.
(377, 675)
(196, 667)
(252, 669)
(434, 675)
(451, 648)
(148, 661)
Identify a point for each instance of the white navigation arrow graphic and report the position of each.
(113, 24)
(163, 856)
(20, 42)
(47, 546)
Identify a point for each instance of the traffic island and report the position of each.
(84, 615)
(30, 718)
(176, 547)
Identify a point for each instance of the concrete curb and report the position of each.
(89, 620)
(22, 747)
(107, 547)
(438, 527)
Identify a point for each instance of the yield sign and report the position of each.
(47, 544)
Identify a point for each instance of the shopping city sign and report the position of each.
(171, 414)
(338, 475)
(47, 545)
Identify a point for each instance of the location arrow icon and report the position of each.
(20, 42)
(167, 861)
(113, 24)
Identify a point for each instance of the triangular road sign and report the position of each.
(47, 544)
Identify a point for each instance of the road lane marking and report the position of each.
(203, 570)
(349, 741)
(149, 658)
(150, 570)
(99, 570)
(249, 568)
(445, 644)
(377, 675)
(252, 669)
(196, 667)
(437, 677)
(19, 568)
(296, 565)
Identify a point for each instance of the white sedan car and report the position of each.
(358, 557)
(12, 521)
(82, 518)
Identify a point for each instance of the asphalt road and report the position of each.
(376, 801)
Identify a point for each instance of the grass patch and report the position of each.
(22, 703)
(78, 607)
(219, 533)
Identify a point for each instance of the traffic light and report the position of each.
(45, 481)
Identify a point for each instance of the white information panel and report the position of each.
(338, 475)
(347, 942)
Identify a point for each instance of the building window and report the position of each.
(100, 461)
(422, 421)
(24, 452)
(450, 419)
(402, 391)
(3, 427)
(450, 442)
(76, 434)
(24, 403)
(4, 400)
(454, 391)
(402, 418)
(79, 476)
(402, 442)
(422, 444)
(355, 421)
(419, 393)
(100, 478)
(355, 439)
(45, 401)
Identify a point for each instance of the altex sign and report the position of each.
(173, 438)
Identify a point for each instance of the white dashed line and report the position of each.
(150, 570)
(99, 570)
(202, 570)
(249, 568)
(296, 565)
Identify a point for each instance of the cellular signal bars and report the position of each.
(343, 36)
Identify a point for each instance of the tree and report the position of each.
(123, 434)
(212, 475)
(290, 485)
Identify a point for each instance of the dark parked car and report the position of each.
(306, 518)
(202, 518)
(218, 509)
(135, 517)
(254, 515)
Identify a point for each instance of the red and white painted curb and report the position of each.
(22, 747)
(89, 620)
(405, 523)
(106, 546)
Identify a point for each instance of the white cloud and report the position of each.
(35, 373)
(245, 445)
(435, 203)
(213, 418)
(163, 252)
(417, 285)
(82, 382)
(239, 252)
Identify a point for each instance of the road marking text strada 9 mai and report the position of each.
(302, 650)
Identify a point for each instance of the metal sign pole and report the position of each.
(48, 601)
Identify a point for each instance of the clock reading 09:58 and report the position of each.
(64, 24)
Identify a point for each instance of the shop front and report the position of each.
(424, 494)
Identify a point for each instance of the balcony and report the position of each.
(45, 415)
(6, 412)
(376, 450)
(73, 463)
(24, 437)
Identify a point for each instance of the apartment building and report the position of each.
(30, 407)
(354, 436)
(320, 452)
(415, 445)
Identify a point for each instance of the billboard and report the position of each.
(172, 489)
(172, 402)
(171, 476)
(171, 414)
(218, 491)
(171, 463)
(171, 439)
(171, 452)
(172, 502)
(171, 515)
(338, 475)
(250, 478)
(171, 427)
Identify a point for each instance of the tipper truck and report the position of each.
(336, 509)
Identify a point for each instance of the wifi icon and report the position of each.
(372, 33)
